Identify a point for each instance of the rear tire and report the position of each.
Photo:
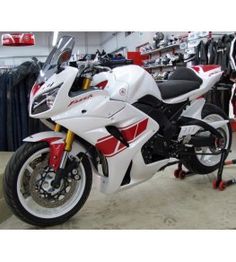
(192, 162)
(14, 200)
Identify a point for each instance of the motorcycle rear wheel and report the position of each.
(200, 164)
(35, 204)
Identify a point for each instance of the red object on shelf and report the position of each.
(136, 57)
(18, 39)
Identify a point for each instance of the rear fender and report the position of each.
(194, 110)
(218, 124)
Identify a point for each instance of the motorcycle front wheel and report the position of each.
(28, 190)
(205, 164)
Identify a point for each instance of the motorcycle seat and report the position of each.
(182, 81)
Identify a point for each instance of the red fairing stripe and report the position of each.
(129, 133)
(205, 68)
(108, 146)
(141, 127)
(102, 84)
(196, 68)
(111, 146)
(35, 88)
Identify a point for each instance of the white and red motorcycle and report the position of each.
(117, 125)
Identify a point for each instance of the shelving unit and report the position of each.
(160, 49)
(158, 69)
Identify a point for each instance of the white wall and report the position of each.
(86, 42)
(15, 55)
(18, 55)
(111, 42)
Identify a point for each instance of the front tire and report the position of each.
(208, 164)
(26, 204)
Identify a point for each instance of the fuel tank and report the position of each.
(128, 83)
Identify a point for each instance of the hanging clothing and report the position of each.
(211, 51)
(3, 112)
(15, 87)
(223, 50)
(217, 52)
(201, 54)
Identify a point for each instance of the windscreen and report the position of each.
(64, 48)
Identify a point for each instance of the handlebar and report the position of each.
(95, 65)
(106, 68)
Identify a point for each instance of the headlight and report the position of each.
(51, 96)
(45, 101)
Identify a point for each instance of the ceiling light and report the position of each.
(54, 40)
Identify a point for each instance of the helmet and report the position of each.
(158, 37)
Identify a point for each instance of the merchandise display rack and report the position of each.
(158, 53)
(162, 49)
(156, 69)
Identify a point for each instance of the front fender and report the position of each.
(44, 136)
(54, 137)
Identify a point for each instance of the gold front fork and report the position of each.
(57, 128)
(69, 137)
(86, 83)
(69, 140)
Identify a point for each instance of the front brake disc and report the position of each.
(54, 198)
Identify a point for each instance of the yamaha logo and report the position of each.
(122, 91)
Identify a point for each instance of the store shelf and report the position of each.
(157, 66)
(160, 49)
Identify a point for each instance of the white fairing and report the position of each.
(66, 78)
(91, 128)
(194, 110)
(88, 114)
(128, 83)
